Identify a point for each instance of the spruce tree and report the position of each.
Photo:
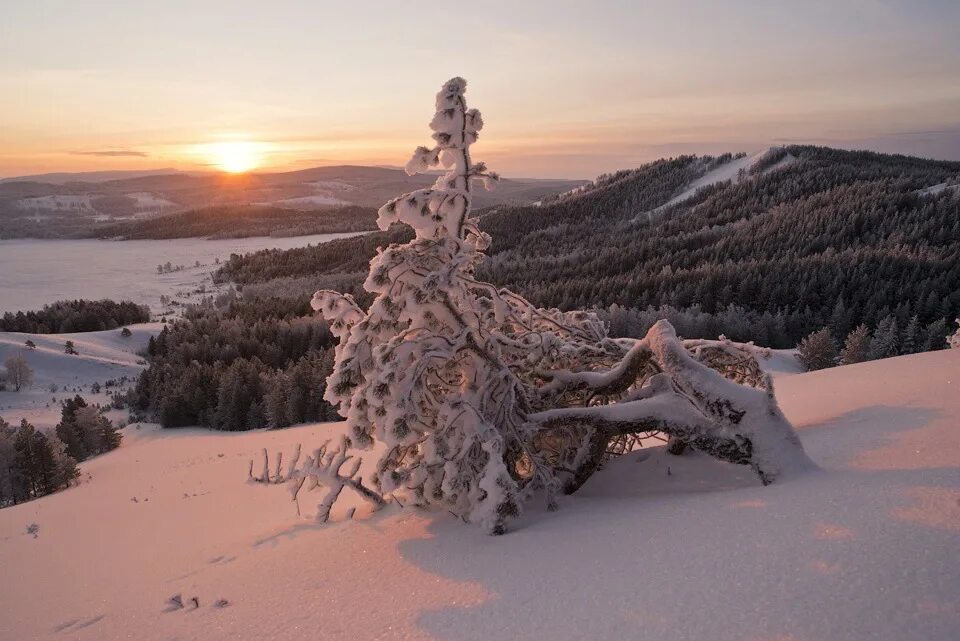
(936, 336)
(857, 346)
(817, 351)
(839, 320)
(7, 459)
(68, 432)
(478, 399)
(912, 338)
(886, 339)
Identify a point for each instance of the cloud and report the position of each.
(111, 153)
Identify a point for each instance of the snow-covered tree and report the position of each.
(18, 372)
(817, 351)
(911, 337)
(886, 339)
(84, 430)
(857, 346)
(478, 399)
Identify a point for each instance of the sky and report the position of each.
(568, 89)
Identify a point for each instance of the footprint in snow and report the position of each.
(78, 624)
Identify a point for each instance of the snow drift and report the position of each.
(653, 547)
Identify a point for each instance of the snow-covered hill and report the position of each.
(654, 547)
(101, 356)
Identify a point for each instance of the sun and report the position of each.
(235, 156)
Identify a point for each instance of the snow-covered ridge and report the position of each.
(936, 190)
(307, 202)
(735, 171)
(56, 203)
(101, 356)
(868, 543)
(145, 203)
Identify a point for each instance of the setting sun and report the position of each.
(235, 157)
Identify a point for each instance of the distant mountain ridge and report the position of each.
(31, 208)
(64, 177)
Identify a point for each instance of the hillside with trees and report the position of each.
(244, 365)
(804, 238)
(68, 316)
(35, 462)
(240, 221)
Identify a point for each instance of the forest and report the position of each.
(839, 249)
(241, 221)
(34, 462)
(67, 316)
(243, 365)
(771, 258)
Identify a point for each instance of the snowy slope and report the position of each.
(936, 190)
(654, 547)
(101, 356)
(728, 171)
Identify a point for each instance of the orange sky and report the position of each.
(568, 89)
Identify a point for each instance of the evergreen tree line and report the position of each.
(829, 347)
(240, 221)
(777, 329)
(767, 259)
(34, 463)
(251, 364)
(68, 316)
(832, 225)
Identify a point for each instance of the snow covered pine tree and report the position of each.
(480, 399)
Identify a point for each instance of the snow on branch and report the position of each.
(478, 399)
(325, 468)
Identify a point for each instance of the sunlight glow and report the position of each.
(235, 156)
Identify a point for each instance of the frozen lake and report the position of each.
(36, 272)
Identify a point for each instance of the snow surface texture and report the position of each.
(653, 547)
(101, 356)
(36, 272)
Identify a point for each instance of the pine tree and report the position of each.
(7, 459)
(239, 388)
(478, 397)
(857, 346)
(839, 320)
(817, 351)
(912, 338)
(936, 335)
(84, 430)
(68, 432)
(256, 418)
(40, 463)
(886, 339)
(64, 465)
(275, 401)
